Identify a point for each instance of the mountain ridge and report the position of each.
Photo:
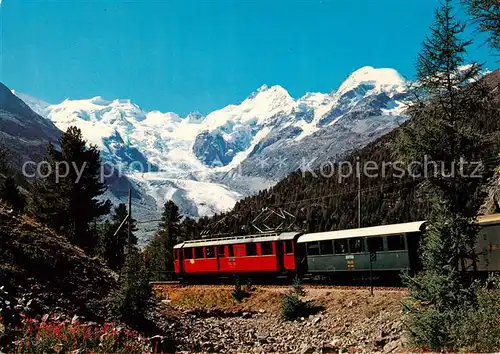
(236, 150)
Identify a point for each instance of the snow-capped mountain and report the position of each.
(207, 163)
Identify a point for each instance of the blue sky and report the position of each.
(201, 55)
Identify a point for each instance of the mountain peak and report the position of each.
(194, 116)
(275, 90)
(37, 105)
(383, 79)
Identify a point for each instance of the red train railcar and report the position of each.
(251, 254)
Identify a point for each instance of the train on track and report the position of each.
(383, 251)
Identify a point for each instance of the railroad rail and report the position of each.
(167, 284)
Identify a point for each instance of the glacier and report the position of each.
(207, 163)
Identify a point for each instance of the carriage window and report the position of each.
(340, 246)
(221, 251)
(266, 248)
(251, 249)
(198, 252)
(313, 249)
(375, 244)
(288, 247)
(210, 252)
(326, 247)
(356, 245)
(231, 250)
(176, 254)
(395, 243)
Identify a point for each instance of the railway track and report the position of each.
(175, 284)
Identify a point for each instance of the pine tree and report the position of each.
(71, 203)
(9, 193)
(486, 14)
(160, 249)
(112, 247)
(188, 229)
(449, 99)
(131, 299)
(4, 159)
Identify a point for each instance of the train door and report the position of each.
(413, 247)
(299, 250)
(279, 256)
(180, 257)
(220, 253)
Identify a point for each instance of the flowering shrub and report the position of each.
(2, 327)
(49, 335)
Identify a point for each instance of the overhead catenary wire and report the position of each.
(486, 162)
(363, 190)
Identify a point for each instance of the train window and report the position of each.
(356, 245)
(210, 252)
(221, 251)
(396, 243)
(251, 249)
(288, 247)
(231, 250)
(266, 248)
(375, 244)
(326, 247)
(176, 254)
(313, 249)
(340, 246)
(198, 252)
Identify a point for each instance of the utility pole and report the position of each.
(129, 219)
(359, 194)
(372, 254)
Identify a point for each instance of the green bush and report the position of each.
(297, 287)
(470, 326)
(292, 306)
(249, 285)
(238, 293)
(478, 327)
(132, 297)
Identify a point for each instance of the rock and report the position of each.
(316, 320)
(335, 343)
(329, 349)
(381, 342)
(262, 311)
(392, 346)
(308, 350)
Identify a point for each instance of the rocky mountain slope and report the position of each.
(41, 271)
(22, 131)
(207, 163)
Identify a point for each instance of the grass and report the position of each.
(190, 298)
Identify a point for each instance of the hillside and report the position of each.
(329, 202)
(40, 272)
